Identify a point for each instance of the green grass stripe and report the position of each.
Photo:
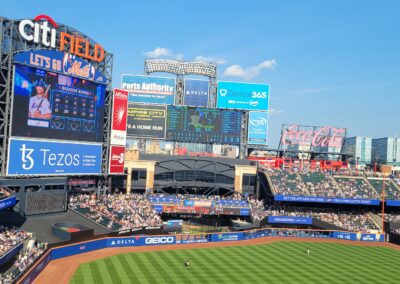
(144, 268)
(195, 272)
(160, 268)
(126, 266)
(109, 262)
(95, 272)
(178, 270)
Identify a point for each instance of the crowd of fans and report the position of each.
(24, 260)
(338, 184)
(351, 221)
(356, 188)
(117, 211)
(4, 193)
(11, 237)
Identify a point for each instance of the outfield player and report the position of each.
(187, 263)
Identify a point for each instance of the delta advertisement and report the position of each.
(119, 117)
(117, 160)
(149, 90)
(257, 129)
(245, 96)
(146, 121)
(290, 220)
(39, 157)
(318, 199)
(196, 93)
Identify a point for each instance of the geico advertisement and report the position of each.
(35, 157)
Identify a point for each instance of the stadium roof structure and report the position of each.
(181, 68)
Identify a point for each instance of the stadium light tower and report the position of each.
(183, 68)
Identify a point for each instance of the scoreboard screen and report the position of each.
(56, 106)
(203, 125)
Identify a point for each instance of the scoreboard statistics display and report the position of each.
(203, 125)
(56, 106)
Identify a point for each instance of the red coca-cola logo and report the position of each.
(326, 136)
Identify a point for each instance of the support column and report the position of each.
(129, 180)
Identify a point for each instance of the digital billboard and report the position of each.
(196, 93)
(243, 96)
(56, 106)
(149, 90)
(146, 121)
(40, 157)
(257, 129)
(203, 125)
(119, 117)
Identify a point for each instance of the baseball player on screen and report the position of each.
(39, 105)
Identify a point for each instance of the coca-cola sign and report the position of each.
(319, 136)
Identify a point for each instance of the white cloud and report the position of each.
(273, 111)
(250, 72)
(201, 58)
(314, 90)
(159, 52)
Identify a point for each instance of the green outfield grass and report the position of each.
(281, 262)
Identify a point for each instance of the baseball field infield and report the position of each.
(279, 262)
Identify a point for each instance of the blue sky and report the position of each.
(328, 62)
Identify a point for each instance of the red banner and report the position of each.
(117, 159)
(119, 117)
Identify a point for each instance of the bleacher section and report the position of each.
(356, 187)
(391, 190)
(319, 184)
(287, 182)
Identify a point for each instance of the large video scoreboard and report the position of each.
(56, 106)
(203, 125)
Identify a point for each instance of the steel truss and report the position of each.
(10, 43)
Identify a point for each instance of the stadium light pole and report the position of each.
(383, 203)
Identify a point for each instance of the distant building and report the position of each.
(386, 151)
(360, 148)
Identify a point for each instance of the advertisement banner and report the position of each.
(56, 106)
(39, 157)
(344, 236)
(60, 62)
(257, 129)
(227, 237)
(149, 90)
(141, 241)
(393, 202)
(243, 96)
(317, 199)
(119, 117)
(7, 202)
(117, 160)
(196, 92)
(290, 220)
(244, 211)
(146, 121)
(61, 252)
(203, 125)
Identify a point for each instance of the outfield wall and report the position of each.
(132, 241)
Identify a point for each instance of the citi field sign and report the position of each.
(43, 30)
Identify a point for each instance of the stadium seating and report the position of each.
(319, 184)
(352, 187)
(355, 221)
(117, 212)
(11, 237)
(287, 182)
(392, 192)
